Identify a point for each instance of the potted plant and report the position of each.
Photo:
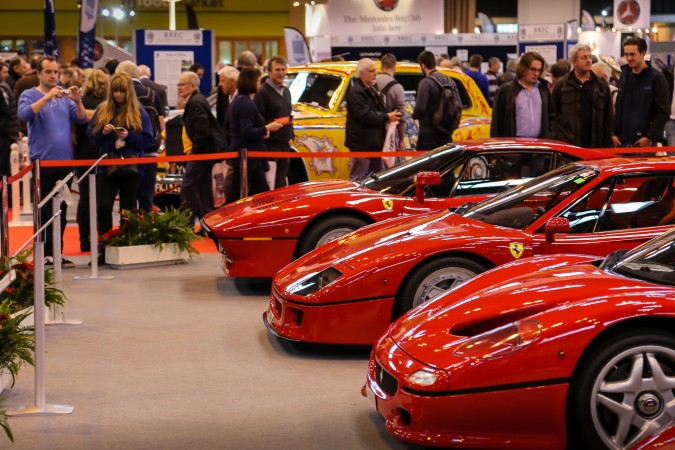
(150, 238)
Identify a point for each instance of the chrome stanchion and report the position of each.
(4, 221)
(243, 168)
(41, 407)
(57, 314)
(93, 235)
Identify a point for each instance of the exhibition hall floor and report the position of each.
(177, 357)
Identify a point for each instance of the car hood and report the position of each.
(391, 241)
(279, 197)
(483, 304)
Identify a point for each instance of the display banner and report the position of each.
(87, 37)
(50, 30)
(416, 40)
(381, 17)
(632, 14)
(296, 47)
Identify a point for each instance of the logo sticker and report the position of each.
(516, 249)
(388, 204)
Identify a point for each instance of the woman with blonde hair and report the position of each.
(121, 129)
(94, 91)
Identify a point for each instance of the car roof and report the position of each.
(349, 67)
(534, 144)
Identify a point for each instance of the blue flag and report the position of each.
(50, 30)
(87, 33)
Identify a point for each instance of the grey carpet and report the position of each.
(177, 357)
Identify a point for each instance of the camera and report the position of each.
(66, 92)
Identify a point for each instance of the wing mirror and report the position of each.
(424, 179)
(556, 225)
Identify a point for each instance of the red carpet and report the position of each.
(71, 246)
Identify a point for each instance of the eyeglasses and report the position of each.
(182, 84)
(535, 69)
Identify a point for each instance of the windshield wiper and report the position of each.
(613, 258)
(372, 175)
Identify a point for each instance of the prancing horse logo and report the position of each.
(516, 249)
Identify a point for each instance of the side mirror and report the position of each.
(556, 225)
(425, 179)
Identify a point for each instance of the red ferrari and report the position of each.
(259, 235)
(552, 352)
(349, 290)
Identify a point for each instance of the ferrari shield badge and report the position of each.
(516, 249)
(388, 204)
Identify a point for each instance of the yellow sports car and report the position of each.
(318, 92)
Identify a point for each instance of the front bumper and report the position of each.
(254, 258)
(348, 323)
(519, 418)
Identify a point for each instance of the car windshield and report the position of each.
(313, 89)
(520, 206)
(400, 179)
(653, 261)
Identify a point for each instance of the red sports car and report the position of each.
(349, 290)
(551, 352)
(261, 234)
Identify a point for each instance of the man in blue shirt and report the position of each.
(49, 109)
(523, 107)
(479, 77)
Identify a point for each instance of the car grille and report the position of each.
(387, 382)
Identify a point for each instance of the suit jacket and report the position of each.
(201, 127)
(160, 91)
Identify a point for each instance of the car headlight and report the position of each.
(314, 283)
(501, 341)
(422, 378)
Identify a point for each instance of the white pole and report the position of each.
(40, 407)
(172, 15)
(93, 233)
(27, 207)
(58, 317)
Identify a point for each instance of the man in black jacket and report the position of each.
(583, 104)
(523, 107)
(206, 137)
(642, 108)
(273, 101)
(428, 95)
(366, 119)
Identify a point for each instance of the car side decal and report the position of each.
(516, 249)
(388, 204)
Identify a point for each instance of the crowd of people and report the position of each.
(70, 113)
(67, 113)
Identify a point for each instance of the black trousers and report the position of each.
(256, 180)
(49, 176)
(107, 188)
(196, 191)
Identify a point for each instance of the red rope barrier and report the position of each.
(635, 151)
(22, 173)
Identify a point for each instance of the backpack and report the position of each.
(148, 103)
(386, 89)
(448, 112)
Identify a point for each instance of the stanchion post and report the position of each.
(57, 316)
(14, 158)
(243, 168)
(93, 227)
(4, 244)
(40, 407)
(26, 185)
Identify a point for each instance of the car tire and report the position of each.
(328, 229)
(432, 279)
(633, 373)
